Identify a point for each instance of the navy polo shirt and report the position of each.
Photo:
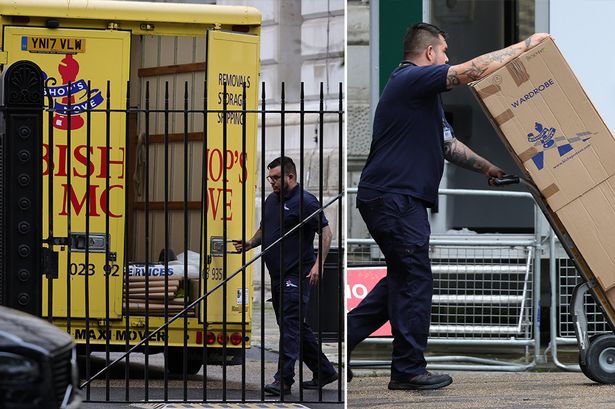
(292, 216)
(407, 152)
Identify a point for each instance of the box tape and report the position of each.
(550, 190)
(503, 117)
(528, 154)
(518, 72)
(489, 90)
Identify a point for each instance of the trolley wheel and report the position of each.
(587, 372)
(583, 366)
(600, 359)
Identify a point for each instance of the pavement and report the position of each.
(474, 390)
(538, 389)
(218, 385)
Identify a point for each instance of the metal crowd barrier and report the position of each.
(486, 294)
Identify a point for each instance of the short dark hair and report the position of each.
(288, 165)
(419, 36)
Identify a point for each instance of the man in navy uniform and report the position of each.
(299, 269)
(411, 138)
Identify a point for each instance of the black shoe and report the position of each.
(314, 384)
(422, 382)
(275, 388)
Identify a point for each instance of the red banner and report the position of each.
(360, 281)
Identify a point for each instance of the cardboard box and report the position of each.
(559, 140)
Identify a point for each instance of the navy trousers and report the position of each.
(290, 332)
(399, 224)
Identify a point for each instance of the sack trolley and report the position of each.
(596, 353)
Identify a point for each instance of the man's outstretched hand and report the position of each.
(533, 40)
(242, 246)
(493, 172)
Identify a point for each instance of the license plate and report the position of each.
(53, 45)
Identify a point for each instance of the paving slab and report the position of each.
(475, 390)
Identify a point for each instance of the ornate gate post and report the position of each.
(21, 194)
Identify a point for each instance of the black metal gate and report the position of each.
(85, 214)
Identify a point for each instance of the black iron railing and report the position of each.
(83, 153)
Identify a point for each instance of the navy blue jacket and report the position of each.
(407, 151)
(270, 226)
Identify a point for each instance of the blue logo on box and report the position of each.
(546, 137)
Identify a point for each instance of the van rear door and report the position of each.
(87, 60)
(232, 58)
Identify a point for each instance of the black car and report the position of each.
(38, 363)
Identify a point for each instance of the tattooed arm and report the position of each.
(484, 65)
(458, 153)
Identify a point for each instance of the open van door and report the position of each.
(232, 58)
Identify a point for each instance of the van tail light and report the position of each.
(235, 338)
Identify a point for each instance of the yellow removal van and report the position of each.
(108, 66)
